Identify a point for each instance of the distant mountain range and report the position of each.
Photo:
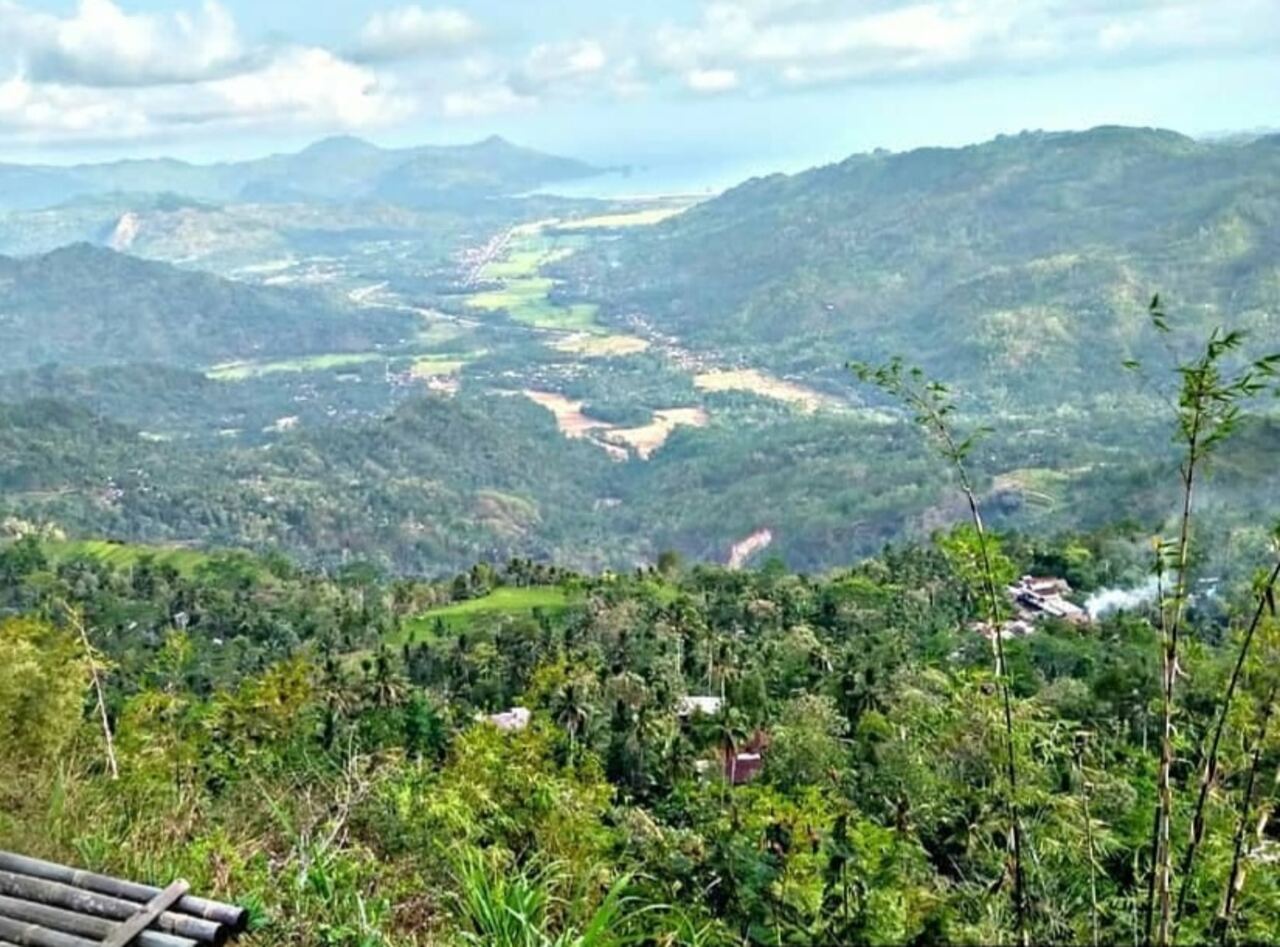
(85, 305)
(1020, 268)
(337, 170)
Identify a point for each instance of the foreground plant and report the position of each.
(933, 409)
(503, 907)
(1207, 408)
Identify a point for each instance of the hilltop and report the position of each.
(86, 305)
(338, 170)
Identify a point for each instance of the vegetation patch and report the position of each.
(638, 218)
(760, 383)
(125, 555)
(525, 294)
(646, 440)
(434, 366)
(507, 601)
(601, 346)
(239, 371)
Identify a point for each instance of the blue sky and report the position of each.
(730, 87)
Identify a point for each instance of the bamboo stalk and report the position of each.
(1235, 881)
(236, 919)
(113, 909)
(1210, 773)
(91, 657)
(71, 922)
(23, 934)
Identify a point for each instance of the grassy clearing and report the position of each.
(240, 371)
(601, 346)
(436, 366)
(500, 603)
(638, 218)
(757, 382)
(124, 556)
(1040, 487)
(648, 439)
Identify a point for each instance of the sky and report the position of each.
(725, 87)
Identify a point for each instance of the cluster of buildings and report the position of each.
(1034, 599)
(739, 764)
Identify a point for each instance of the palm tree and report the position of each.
(571, 712)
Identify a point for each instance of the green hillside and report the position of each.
(83, 305)
(1020, 267)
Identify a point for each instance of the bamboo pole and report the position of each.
(29, 935)
(113, 909)
(236, 919)
(71, 922)
(92, 658)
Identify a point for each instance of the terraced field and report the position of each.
(126, 555)
(501, 603)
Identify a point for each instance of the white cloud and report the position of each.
(483, 101)
(310, 86)
(412, 31)
(99, 74)
(551, 67)
(711, 81)
(101, 45)
(806, 42)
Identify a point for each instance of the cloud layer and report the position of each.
(102, 72)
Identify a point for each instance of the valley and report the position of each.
(497, 314)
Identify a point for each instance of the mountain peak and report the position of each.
(340, 146)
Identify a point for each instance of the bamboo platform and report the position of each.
(47, 905)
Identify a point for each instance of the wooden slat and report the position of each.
(130, 930)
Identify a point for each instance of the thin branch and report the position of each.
(1210, 774)
(91, 657)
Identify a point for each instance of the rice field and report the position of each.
(501, 602)
(646, 440)
(525, 294)
(241, 371)
(601, 346)
(639, 218)
(765, 385)
(436, 366)
(125, 555)
(617, 441)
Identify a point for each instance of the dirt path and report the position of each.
(741, 552)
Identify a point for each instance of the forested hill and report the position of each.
(336, 169)
(1029, 258)
(84, 305)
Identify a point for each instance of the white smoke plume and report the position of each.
(1105, 601)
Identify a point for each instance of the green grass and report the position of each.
(239, 371)
(525, 293)
(430, 366)
(526, 301)
(505, 601)
(125, 555)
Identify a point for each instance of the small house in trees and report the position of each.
(511, 721)
(744, 764)
(690, 706)
(1045, 597)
